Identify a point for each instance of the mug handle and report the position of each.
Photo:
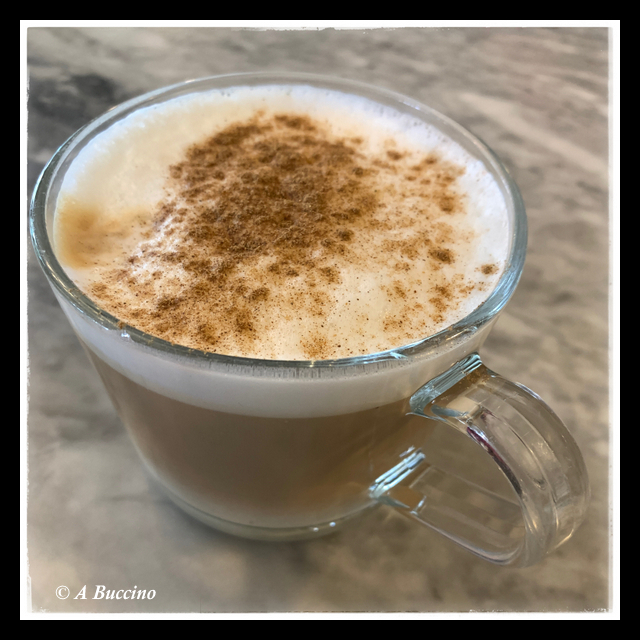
(527, 441)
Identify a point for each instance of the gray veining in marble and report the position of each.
(539, 98)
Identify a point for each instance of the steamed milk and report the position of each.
(257, 445)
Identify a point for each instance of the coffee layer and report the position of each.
(306, 225)
(264, 471)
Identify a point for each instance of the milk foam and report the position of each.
(106, 177)
(284, 392)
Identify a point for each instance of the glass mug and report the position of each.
(281, 450)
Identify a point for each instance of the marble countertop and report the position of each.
(539, 98)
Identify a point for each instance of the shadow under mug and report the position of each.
(282, 450)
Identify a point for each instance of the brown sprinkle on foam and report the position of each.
(489, 269)
(262, 218)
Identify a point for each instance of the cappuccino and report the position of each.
(281, 223)
(293, 225)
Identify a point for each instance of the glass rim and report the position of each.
(481, 315)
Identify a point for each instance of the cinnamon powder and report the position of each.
(278, 200)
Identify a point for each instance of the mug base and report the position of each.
(269, 534)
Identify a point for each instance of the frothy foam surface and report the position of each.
(281, 223)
